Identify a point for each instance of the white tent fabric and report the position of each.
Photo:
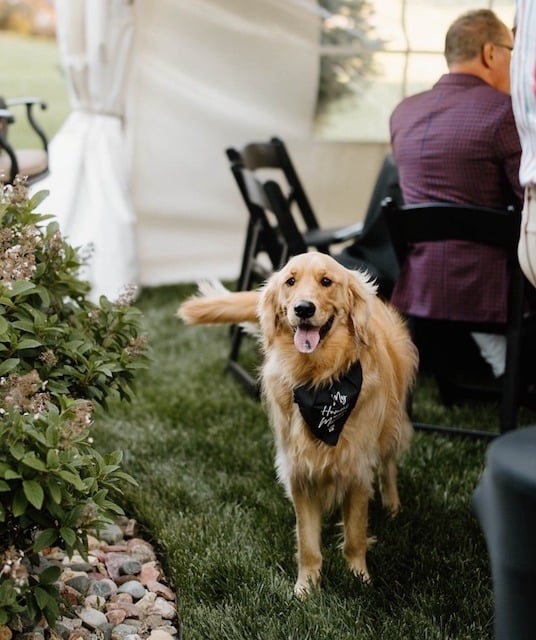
(209, 74)
(138, 170)
(89, 179)
(158, 90)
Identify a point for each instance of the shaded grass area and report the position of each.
(30, 66)
(201, 451)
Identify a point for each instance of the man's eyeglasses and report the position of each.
(504, 46)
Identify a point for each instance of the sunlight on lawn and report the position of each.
(30, 66)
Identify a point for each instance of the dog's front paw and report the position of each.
(392, 508)
(363, 575)
(306, 582)
(390, 499)
(358, 567)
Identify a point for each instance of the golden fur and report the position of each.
(358, 326)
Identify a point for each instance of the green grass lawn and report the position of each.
(201, 451)
(30, 66)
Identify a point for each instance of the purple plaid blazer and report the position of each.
(457, 143)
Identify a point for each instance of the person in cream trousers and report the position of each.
(523, 79)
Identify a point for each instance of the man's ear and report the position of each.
(487, 54)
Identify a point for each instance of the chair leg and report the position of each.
(249, 381)
(250, 249)
(510, 390)
(245, 282)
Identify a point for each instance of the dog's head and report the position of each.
(312, 300)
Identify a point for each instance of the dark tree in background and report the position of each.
(349, 58)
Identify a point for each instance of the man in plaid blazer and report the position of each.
(458, 143)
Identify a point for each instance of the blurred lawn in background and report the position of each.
(30, 66)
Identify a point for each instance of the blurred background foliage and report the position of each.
(28, 17)
(348, 47)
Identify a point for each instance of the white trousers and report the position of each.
(493, 347)
(526, 250)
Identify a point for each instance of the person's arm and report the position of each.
(509, 148)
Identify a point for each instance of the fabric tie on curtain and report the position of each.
(89, 178)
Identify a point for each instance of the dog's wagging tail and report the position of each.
(338, 364)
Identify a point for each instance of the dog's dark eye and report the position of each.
(290, 282)
(326, 282)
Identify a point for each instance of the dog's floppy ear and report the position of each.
(268, 309)
(361, 292)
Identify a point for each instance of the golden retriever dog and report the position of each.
(338, 364)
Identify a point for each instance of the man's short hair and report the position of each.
(469, 33)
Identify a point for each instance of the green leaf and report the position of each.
(49, 575)
(115, 508)
(106, 370)
(42, 597)
(72, 478)
(126, 477)
(45, 539)
(8, 365)
(29, 343)
(55, 491)
(20, 503)
(52, 611)
(20, 287)
(38, 198)
(4, 486)
(24, 325)
(4, 325)
(17, 451)
(53, 459)
(33, 492)
(44, 295)
(11, 474)
(68, 535)
(109, 469)
(36, 435)
(32, 461)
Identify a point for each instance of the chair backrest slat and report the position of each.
(273, 155)
(432, 222)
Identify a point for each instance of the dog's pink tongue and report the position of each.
(306, 339)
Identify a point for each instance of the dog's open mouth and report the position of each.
(307, 337)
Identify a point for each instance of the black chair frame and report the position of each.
(432, 222)
(260, 157)
(275, 232)
(272, 233)
(7, 118)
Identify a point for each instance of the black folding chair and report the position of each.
(272, 235)
(282, 224)
(273, 155)
(31, 162)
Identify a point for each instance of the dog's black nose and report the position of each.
(304, 309)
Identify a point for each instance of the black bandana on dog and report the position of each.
(326, 409)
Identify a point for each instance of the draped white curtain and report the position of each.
(139, 168)
(209, 74)
(89, 180)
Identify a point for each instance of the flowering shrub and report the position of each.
(60, 357)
